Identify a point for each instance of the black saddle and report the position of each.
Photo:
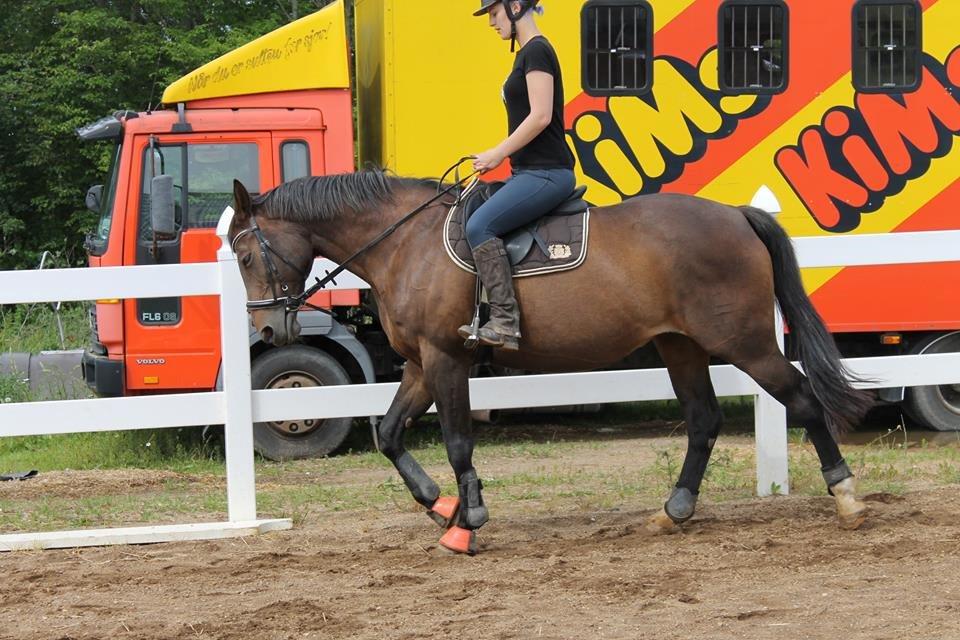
(519, 242)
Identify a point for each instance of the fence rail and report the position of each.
(237, 406)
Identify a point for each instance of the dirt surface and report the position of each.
(758, 568)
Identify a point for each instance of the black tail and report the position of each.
(830, 382)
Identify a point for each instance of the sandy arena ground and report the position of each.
(761, 568)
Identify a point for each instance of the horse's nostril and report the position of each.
(266, 334)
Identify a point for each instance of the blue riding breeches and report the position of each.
(526, 196)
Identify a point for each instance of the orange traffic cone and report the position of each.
(460, 540)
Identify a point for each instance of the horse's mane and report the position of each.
(325, 198)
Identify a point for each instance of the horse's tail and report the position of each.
(830, 381)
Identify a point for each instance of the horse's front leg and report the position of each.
(411, 402)
(447, 378)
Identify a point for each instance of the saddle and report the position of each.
(555, 242)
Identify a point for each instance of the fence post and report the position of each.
(235, 362)
(770, 427)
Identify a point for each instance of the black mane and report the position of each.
(325, 198)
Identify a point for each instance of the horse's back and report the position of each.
(670, 232)
(665, 263)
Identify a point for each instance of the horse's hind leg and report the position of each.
(783, 381)
(411, 402)
(688, 365)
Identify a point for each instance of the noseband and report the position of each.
(288, 302)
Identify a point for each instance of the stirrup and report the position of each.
(472, 337)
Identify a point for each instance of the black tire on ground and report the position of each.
(298, 366)
(936, 406)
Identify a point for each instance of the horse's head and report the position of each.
(275, 258)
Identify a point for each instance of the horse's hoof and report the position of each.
(850, 512)
(460, 540)
(444, 510)
(854, 518)
(681, 505)
(660, 523)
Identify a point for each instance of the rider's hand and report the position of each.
(488, 160)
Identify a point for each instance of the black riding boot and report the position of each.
(503, 328)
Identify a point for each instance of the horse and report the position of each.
(697, 278)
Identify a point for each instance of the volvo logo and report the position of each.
(151, 361)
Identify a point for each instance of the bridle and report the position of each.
(293, 303)
(288, 302)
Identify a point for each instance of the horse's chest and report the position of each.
(395, 323)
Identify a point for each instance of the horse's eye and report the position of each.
(247, 259)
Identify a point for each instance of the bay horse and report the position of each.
(696, 277)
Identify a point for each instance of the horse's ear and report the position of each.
(241, 202)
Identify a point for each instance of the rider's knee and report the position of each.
(477, 232)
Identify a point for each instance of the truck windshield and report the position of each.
(102, 231)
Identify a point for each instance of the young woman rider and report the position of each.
(541, 162)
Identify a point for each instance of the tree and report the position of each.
(66, 63)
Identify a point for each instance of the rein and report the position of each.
(292, 303)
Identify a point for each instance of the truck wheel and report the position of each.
(936, 406)
(291, 367)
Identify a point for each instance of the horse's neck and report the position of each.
(341, 239)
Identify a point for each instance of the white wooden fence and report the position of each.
(238, 407)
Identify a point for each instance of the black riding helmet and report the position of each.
(525, 5)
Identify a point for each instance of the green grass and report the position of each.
(545, 479)
(14, 388)
(33, 328)
(174, 449)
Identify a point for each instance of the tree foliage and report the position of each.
(65, 63)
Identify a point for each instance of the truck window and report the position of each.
(753, 46)
(205, 189)
(102, 234)
(886, 46)
(211, 170)
(617, 45)
(294, 160)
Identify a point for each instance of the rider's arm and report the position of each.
(540, 90)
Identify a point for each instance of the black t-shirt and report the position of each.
(549, 149)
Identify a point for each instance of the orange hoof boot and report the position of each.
(444, 510)
(460, 540)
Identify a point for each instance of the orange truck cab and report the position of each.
(238, 119)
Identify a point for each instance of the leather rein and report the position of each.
(293, 303)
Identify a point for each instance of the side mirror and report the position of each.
(162, 212)
(94, 197)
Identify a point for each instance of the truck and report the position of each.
(846, 110)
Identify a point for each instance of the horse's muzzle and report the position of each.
(280, 330)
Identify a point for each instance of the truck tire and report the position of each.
(290, 367)
(936, 406)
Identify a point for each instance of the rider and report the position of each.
(541, 162)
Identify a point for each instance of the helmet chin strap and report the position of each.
(524, 7)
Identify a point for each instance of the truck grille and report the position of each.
(95, 345)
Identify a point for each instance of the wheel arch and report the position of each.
(329, 336)
(921, 346)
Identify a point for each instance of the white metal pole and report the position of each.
(771, 435)
(235, 360)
